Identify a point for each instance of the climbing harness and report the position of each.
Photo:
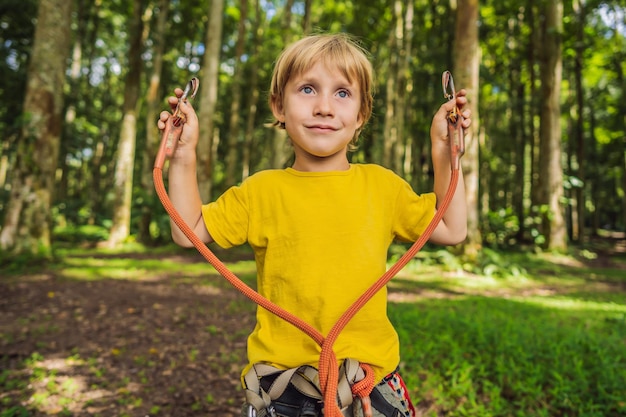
(361, 378)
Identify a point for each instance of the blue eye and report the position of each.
(343, 94)
(307, 90)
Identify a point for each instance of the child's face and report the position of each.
(320, 110)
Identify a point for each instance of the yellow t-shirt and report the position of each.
(320, 241)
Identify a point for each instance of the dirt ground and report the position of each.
(116, 347)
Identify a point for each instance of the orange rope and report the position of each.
(328, 368)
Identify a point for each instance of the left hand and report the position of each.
(439, 126)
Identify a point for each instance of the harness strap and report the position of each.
(353, 376)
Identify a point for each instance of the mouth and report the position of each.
(322, 128)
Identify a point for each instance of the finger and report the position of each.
(173, 102)
(162, 120)
(449, 106)
(187, 109)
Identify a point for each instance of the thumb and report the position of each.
(187, 111)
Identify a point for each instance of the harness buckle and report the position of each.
(249, 411)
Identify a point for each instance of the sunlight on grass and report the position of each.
(60, 386)
(93, 268)
(562, 303)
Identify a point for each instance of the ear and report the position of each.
(277, 108)
(359, 120)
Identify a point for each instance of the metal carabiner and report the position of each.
(178, 118)
(174, 126)
(456, 134)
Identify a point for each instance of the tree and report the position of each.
(466, 68)
(208, 98)
(123, 181)
(234, 129)
(28, 223)
(391, 134)
(254, 87)
(550, 167)
(153, 103)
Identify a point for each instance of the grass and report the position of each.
(547, 339)
(514, 334)
(483, 356)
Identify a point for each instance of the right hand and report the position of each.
(189, 136)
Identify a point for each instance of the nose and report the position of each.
(323, 105)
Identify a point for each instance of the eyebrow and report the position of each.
(343, 83)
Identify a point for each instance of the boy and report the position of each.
(320, 229)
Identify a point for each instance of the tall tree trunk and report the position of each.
(306, 19)
(208, 99)
(551, 178)
(234, 129)
(390, 130)
(28, 223)
(617, 63)
(123, 177)
(254, 96)
(533, 49)
(153, 104)
(406, 85)
(578, 213)
(281, 150)
(466, 69)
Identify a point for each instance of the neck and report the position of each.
(321, 165)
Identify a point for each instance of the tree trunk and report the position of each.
(234, 129)
(466, 69)
(550, 167)
(406, 85)
(123, 177)
(254, 95)
(533, 58)
(279, 139)
(578, 211)
(306, 19)
(390, 130)
(208, 99)
(28, 223)
(153, 104)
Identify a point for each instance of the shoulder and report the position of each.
(377, 172)
(263, 177)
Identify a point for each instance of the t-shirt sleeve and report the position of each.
(227, 218)
(413, 213)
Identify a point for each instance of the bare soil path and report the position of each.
(117, 347)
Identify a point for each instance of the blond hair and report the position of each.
(339, 50)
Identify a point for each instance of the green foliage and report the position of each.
(503, 227)
(80, 234)
(507, 99)
(15, 411)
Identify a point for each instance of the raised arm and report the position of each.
(453, 227)
(183, 184)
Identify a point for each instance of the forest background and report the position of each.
(82, 85)
(93, 292)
